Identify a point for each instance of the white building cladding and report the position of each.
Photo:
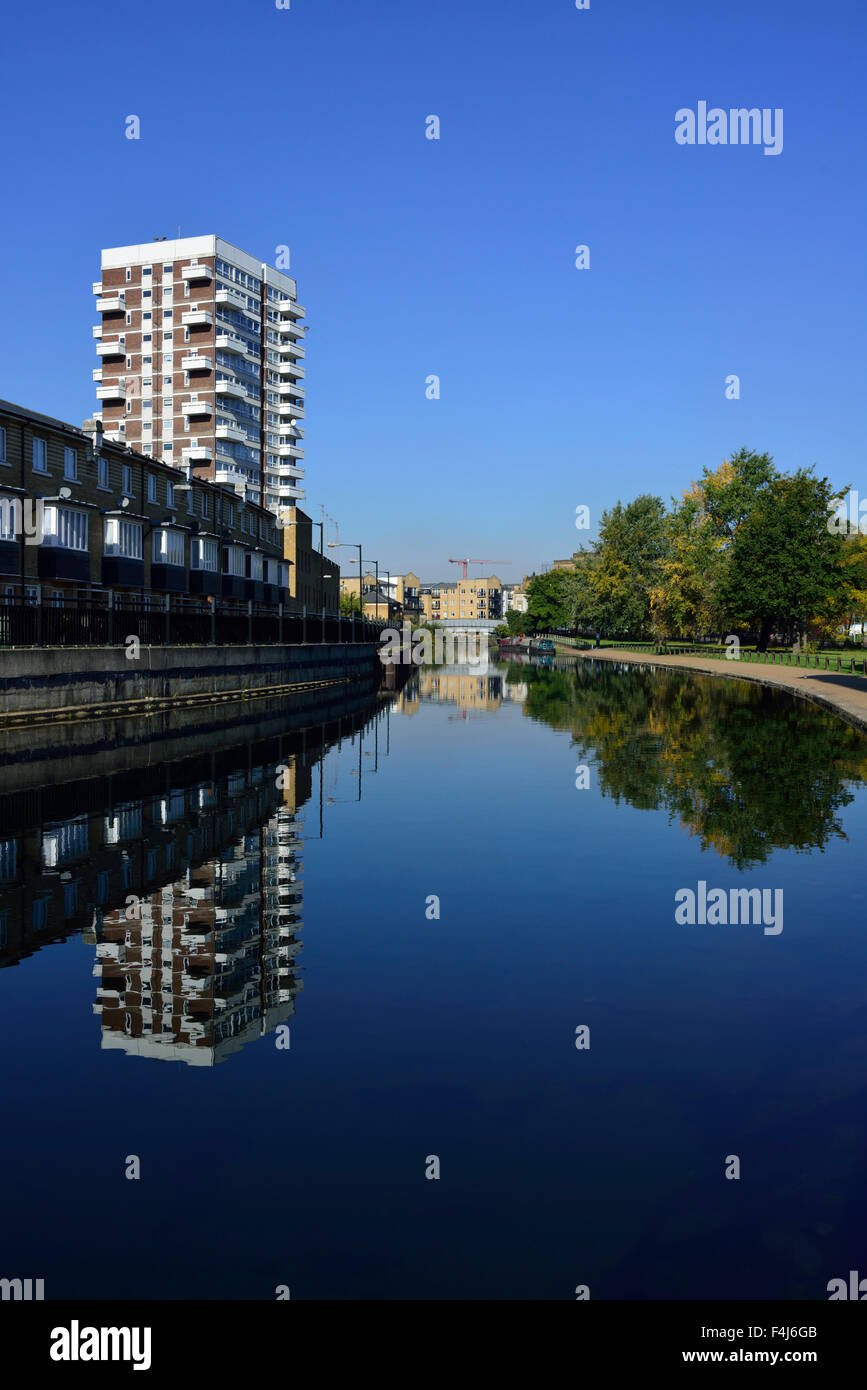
(201, 352)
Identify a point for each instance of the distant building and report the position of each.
(401, 589)
(465, 599)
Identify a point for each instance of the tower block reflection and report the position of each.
(198, 968)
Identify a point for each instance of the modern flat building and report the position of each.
(466, 599)
(201, 351)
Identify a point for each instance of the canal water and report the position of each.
(395, 1003)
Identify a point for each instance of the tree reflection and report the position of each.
(747, 769)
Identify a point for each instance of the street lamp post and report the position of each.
(335, 545)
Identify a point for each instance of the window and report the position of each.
(254, 567)
(126, 479)
(203, 555)
(167, 269)
(206, 504)
(152, 487)
(2, 446)
(147, 270)
(64, 527)
(10, 518)
(170, 493)
(191, 503)
(146, 294)
(168, 547)
(123, 537)
(70, 465)
(40, 456)
(128, 273)
(233, 560)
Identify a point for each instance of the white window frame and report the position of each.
(168, 547)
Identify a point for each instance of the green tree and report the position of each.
(548, 600)
(784, 566)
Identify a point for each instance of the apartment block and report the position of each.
(201, 364)
(463, 599)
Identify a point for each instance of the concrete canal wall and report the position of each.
(48, 679)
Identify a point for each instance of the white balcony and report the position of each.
(233, 297)
(291, 388)
(228, 343)
(117, 392)
(97, 287)
(290, 349)
(285, 491)
(287, 368)
(97, 373)
(111, 304)
(231, 477)
(97, 330)
(111, 349)
(289, 451)
(197, 409)
(197, 318)
(196, 272)
(233, 432)
(197, 453)
(289, 428)
(288, 470)
(231, 388)
(196, 362)
(291, 411)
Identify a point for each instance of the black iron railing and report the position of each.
(109, 621)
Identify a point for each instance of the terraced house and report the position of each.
(82, 516)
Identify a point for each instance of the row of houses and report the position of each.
(82, 516)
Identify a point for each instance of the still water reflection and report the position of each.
(263, 904)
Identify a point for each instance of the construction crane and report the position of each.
(477, 562)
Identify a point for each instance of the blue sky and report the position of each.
(455, 257)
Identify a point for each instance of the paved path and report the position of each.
(845, 695)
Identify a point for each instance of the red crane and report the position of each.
(477, 562)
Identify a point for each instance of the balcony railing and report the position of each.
(196, 362)
(197, 272)
(197, 318)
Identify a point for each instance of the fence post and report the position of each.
(213, 622)
(168, 621)
(111, 617)
(280, 625)
(39, 620)
(249, 622)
